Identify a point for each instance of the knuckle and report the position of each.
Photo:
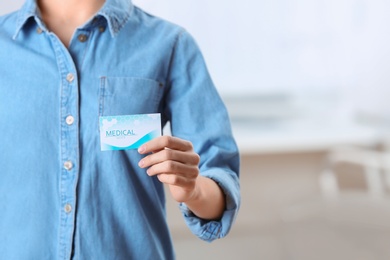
(167, 140)
(175, 180)
(168, 154)
(194, 172)
(171, 166)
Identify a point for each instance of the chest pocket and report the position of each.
(127, 96)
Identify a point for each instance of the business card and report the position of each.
(128, 131)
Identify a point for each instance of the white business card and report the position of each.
(128, 131)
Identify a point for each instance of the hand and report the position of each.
(175, 163)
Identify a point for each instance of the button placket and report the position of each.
(69, 143)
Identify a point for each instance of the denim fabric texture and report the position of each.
(61, 196)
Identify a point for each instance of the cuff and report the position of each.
(209, 230)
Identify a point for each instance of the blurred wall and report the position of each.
(9, 6)
(337, 48)
(321, 49)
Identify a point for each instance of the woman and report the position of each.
(65, 65)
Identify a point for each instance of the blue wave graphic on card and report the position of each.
(129, 131)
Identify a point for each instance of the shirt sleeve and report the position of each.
(197, 113)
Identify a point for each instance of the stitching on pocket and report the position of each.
(101, 95)
(122, 95)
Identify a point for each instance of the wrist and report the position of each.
(196, 194)
(208, 200)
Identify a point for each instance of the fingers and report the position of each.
(162, 142)
(170, 155)
(176, 180)
(172, 162)
(172, 167)
(172, 159)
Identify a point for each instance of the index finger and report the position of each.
(163, 142)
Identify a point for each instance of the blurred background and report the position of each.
(306, 83)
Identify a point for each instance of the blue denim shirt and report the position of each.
(61, 196)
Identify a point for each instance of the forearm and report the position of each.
(209, 200)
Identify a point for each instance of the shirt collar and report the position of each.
(28, 10)
(116, 12)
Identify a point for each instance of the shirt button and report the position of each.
(102, 29)
(68, 165)
(70, 77)
(82, 37)
(68, 208)
(69, 120)
(39, 30)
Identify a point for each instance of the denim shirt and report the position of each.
(61, 196)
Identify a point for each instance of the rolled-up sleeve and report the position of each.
(197, 113)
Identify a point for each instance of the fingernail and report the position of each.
(141, 149)
(141, 163)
